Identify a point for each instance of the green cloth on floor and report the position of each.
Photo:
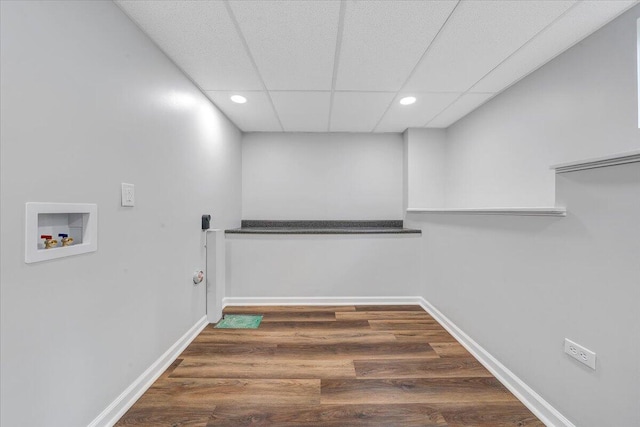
(237, 321)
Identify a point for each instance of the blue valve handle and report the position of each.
(63, 235)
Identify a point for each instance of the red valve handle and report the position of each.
(45, 236)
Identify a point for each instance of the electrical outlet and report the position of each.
(580, 353)
(128, 194)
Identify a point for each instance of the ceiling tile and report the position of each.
(484, 47)
(463, 106)
(302, 111)
(427, 106)
(196, 35)
(256, 115)
(358, 111)
(478, 36)
(582, 20)
(292, 42)
(384, 40)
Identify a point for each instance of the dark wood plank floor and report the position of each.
(328, 366)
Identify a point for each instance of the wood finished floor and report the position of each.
(328, 366)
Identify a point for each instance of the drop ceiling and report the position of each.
(342, 66)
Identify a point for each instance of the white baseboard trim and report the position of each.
(127, 398)
(542, 409)
(532, 400)
(231, 301)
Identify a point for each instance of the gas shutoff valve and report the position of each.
(198, 277)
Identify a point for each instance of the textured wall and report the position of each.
(321, 176)
(582, 104)
(88, 102)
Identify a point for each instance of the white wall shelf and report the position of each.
(598, 162)
(537, 211)
(78, 220)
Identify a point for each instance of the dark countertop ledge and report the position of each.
(323, 227)
(284, 230)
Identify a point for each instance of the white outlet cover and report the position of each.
(580, 353)
(128, 194)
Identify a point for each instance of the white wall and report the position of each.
(323, 265)
(89, 102)
(519, 285)
(582, 104)
(321, 176)
(425, 167)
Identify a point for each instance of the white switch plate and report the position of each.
(580, 353)
(128, 194)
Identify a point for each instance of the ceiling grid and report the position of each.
(343, 66)
(253, 62)
(457, 115)
(336, 60)
(413, 70)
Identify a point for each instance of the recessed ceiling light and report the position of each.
(238, 99)
(408, 100)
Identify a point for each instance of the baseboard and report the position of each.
(127, 398)
(532, 400)
(231, 301)
(542, 409)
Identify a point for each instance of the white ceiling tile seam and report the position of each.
(336, 59)
(424, 54)
(535, 36)
(253, 62)
(346, 64)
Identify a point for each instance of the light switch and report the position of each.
(128, 194)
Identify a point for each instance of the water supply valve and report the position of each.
(49, 241)
(66, 240)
